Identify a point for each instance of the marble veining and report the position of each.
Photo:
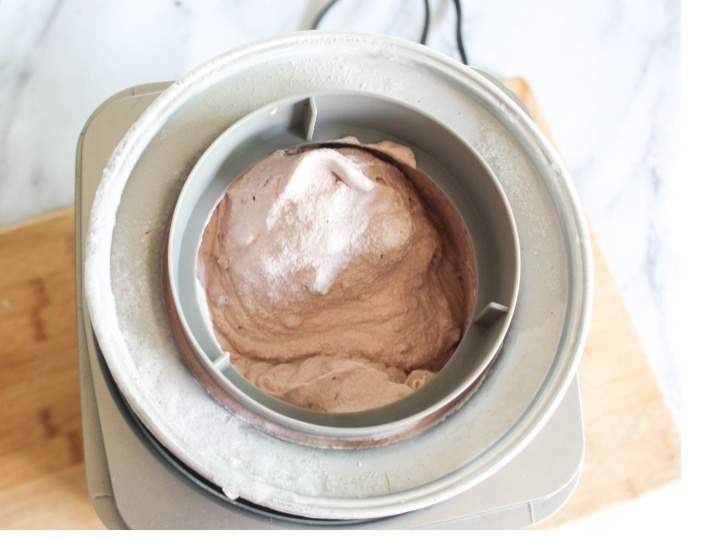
(607, 74)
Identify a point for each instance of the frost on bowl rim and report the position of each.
(327, 483)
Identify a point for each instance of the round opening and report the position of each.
(456, 172)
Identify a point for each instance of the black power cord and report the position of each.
(426, 25)
(458, 32)
(324, 10)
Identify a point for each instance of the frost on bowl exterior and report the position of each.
(123, 280)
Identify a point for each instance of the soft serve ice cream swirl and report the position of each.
(329, 282)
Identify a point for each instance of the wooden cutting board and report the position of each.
(632, 443)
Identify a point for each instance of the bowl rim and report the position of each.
(320, 428)
(575, 236)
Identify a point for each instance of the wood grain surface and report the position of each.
(632, 443)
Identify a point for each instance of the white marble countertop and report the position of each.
(607, 75)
